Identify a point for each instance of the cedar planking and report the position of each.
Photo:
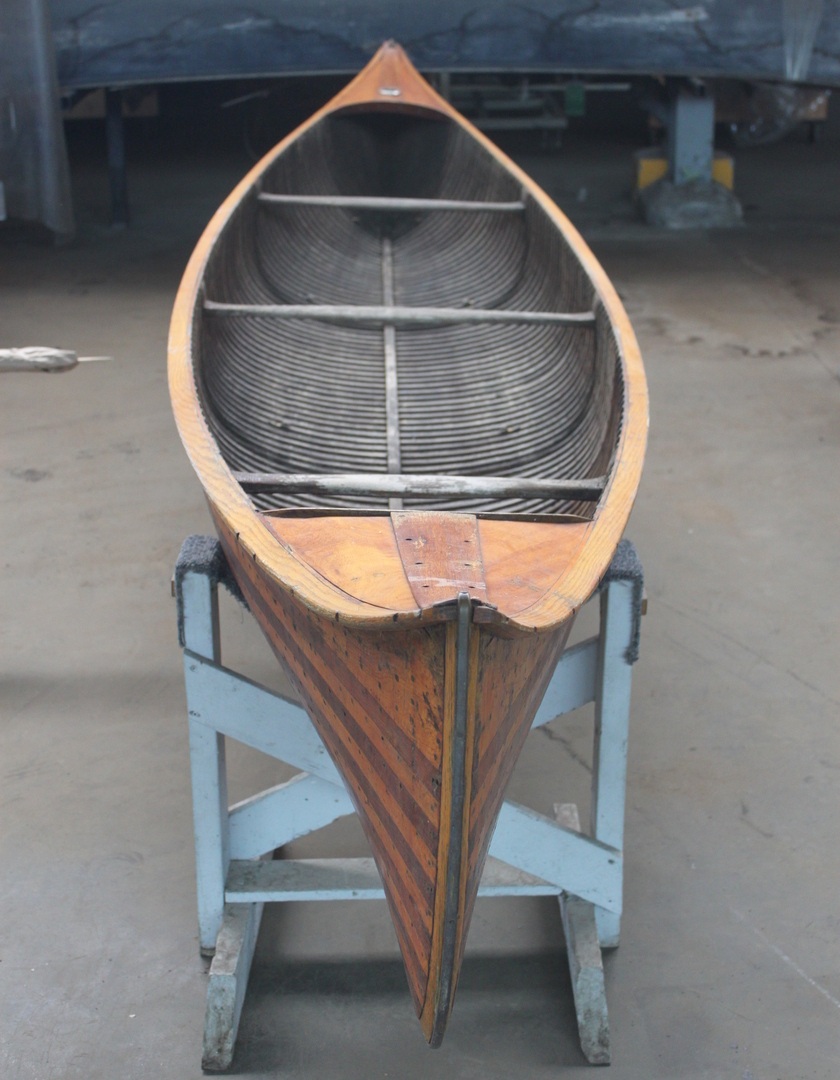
(420, 629)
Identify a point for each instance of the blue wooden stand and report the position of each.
(531, 855)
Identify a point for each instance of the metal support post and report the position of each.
(115, 139)
(691, 136)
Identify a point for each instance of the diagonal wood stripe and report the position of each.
(392, 853)
(396, 731)
(412, 926)
(331, 721)
(498, 755)
(506, 700)
(398, 724)
(418, 814)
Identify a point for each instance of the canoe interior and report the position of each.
(494, 399)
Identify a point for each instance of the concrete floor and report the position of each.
(729, 963)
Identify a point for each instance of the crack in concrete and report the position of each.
(783, 956)
(555, 736)
(718, 632)
(747, 820)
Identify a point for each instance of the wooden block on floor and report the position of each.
(228, 981)
(585, 963)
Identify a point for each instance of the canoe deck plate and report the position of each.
(441, 557)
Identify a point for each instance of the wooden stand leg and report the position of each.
(585, 965)
(211, 830)
(228, 982)
(612, 717)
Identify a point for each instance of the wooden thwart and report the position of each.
(423, 485)
(372, 202)
(392, 397)
(401, 316)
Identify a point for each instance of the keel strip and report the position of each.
(449, 924)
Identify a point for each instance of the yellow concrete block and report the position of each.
(723, 169)
(652, 165)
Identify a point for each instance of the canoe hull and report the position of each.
(426, 773)
(387, 300)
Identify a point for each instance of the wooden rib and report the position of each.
(401, 316)
(392, 398)
(432, 485)
(370, 202)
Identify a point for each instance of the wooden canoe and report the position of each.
(419, 414)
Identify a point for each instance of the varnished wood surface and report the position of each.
(568, 584)
(441, 556)
(521, 565)
(391, 82)
(377, 701)
(358, 556)
(361, 557)
(384, 705)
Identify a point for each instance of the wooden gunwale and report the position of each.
(276, 561)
